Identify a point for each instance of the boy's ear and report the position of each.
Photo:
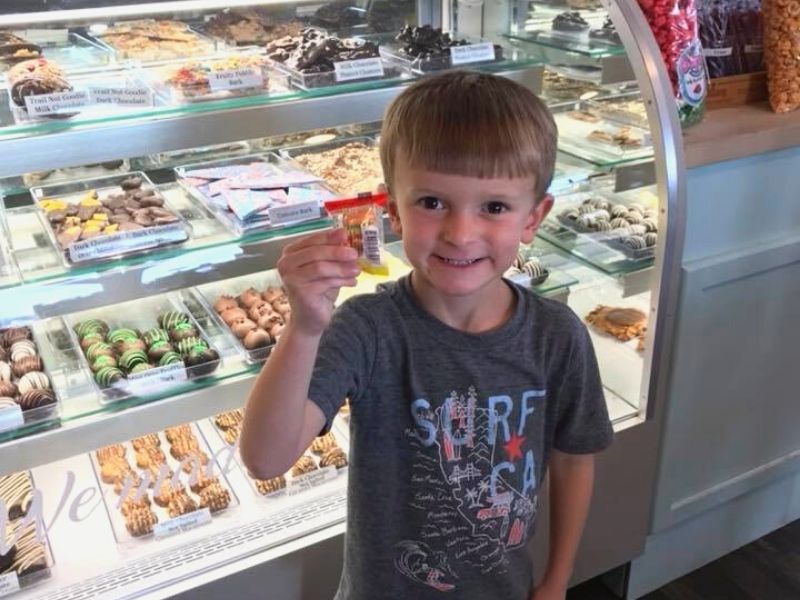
(391, 208)
(538, 214)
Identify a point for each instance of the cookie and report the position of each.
(231, 435)
(305, 464)
(180, 503)
(623, 323)
(16, 491)
(215, 497)
(194, 461)
(31, 554)
(115, 450)
(178, 431)
(150, 456)
(200, 479)
(166, 491)
(334, 457)
(135, 501)
(270, 486)
(182, 447)
(323, 443)
(140, 522)
(229, 419)
(145, 441)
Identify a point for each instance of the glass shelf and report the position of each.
(38, 260)
(516, 59)
(547, 40)
(593, 252)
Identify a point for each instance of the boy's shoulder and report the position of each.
(549, 317)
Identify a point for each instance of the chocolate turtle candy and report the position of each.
(170, 358)
(131, 358)
(108, 376)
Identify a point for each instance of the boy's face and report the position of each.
(462, 233)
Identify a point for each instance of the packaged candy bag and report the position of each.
(782, 53)
(362, 217)
(718, 37)
(749, 35)
(674, 25)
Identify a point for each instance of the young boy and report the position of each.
(463, 387)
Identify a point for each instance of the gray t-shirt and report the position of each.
(450, 436)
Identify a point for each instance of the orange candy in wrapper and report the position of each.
(362, 217)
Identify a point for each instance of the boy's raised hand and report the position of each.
(313, 269)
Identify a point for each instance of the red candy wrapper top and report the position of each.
(362, 218)
(674, 25)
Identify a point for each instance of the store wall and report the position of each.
(730, 461)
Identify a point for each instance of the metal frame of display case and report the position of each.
(628, 467)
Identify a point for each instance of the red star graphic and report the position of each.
(513, 446)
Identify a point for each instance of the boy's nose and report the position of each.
(459, 229)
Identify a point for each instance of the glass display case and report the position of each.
(158, 157)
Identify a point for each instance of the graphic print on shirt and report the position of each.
(474, 479)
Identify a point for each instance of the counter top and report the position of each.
(736, 132)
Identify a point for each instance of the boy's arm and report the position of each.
(280, 421)
(571, 482)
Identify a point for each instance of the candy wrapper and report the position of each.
(782, 53)
(362, 217)
(674, 25)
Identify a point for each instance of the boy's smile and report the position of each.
(461, 234)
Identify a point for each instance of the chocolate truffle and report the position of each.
(272, 294)
(108, 375)
(249, 297)
(90, 339)
(170, 319)
(21, 349)
(183, 331)
(267, 321)
(26, 365)
(233, 315)
(35, 380)
(131, 358)
(127, 345)
(159, 349)
(276, 330)
(154, 335)
(170, 358)
(131, 183)
(257, 338)
(7, 389)
(259, 309)
(99, 349)
(36, 398)
(242, 328)
(223, 303)
(189, 344)
(5, 371)
(103, 361)
(15, 334)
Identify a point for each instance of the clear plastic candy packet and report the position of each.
(362, 218)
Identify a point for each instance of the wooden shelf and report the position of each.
(737, 132)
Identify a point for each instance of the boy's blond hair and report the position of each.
(473, 124)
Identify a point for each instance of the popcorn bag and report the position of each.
(362, 218)
(782, 53)
(674, 25)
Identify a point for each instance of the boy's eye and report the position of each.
(496, 208)
(430, 202)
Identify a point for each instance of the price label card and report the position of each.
(310, 480)
(9, 583)
(57, 103)
(182, 523)
(126, 96)
(293, 213)
(154, 379)
(363, 68)
(471, 53)
(46, 36)
(10, 417)
(236, 79)
(127, 241)
(717, 52)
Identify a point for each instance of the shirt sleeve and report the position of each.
(583, 426)
(344, 360)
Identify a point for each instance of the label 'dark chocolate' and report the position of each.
(310, 480)
(471, 53)
(104, 246)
